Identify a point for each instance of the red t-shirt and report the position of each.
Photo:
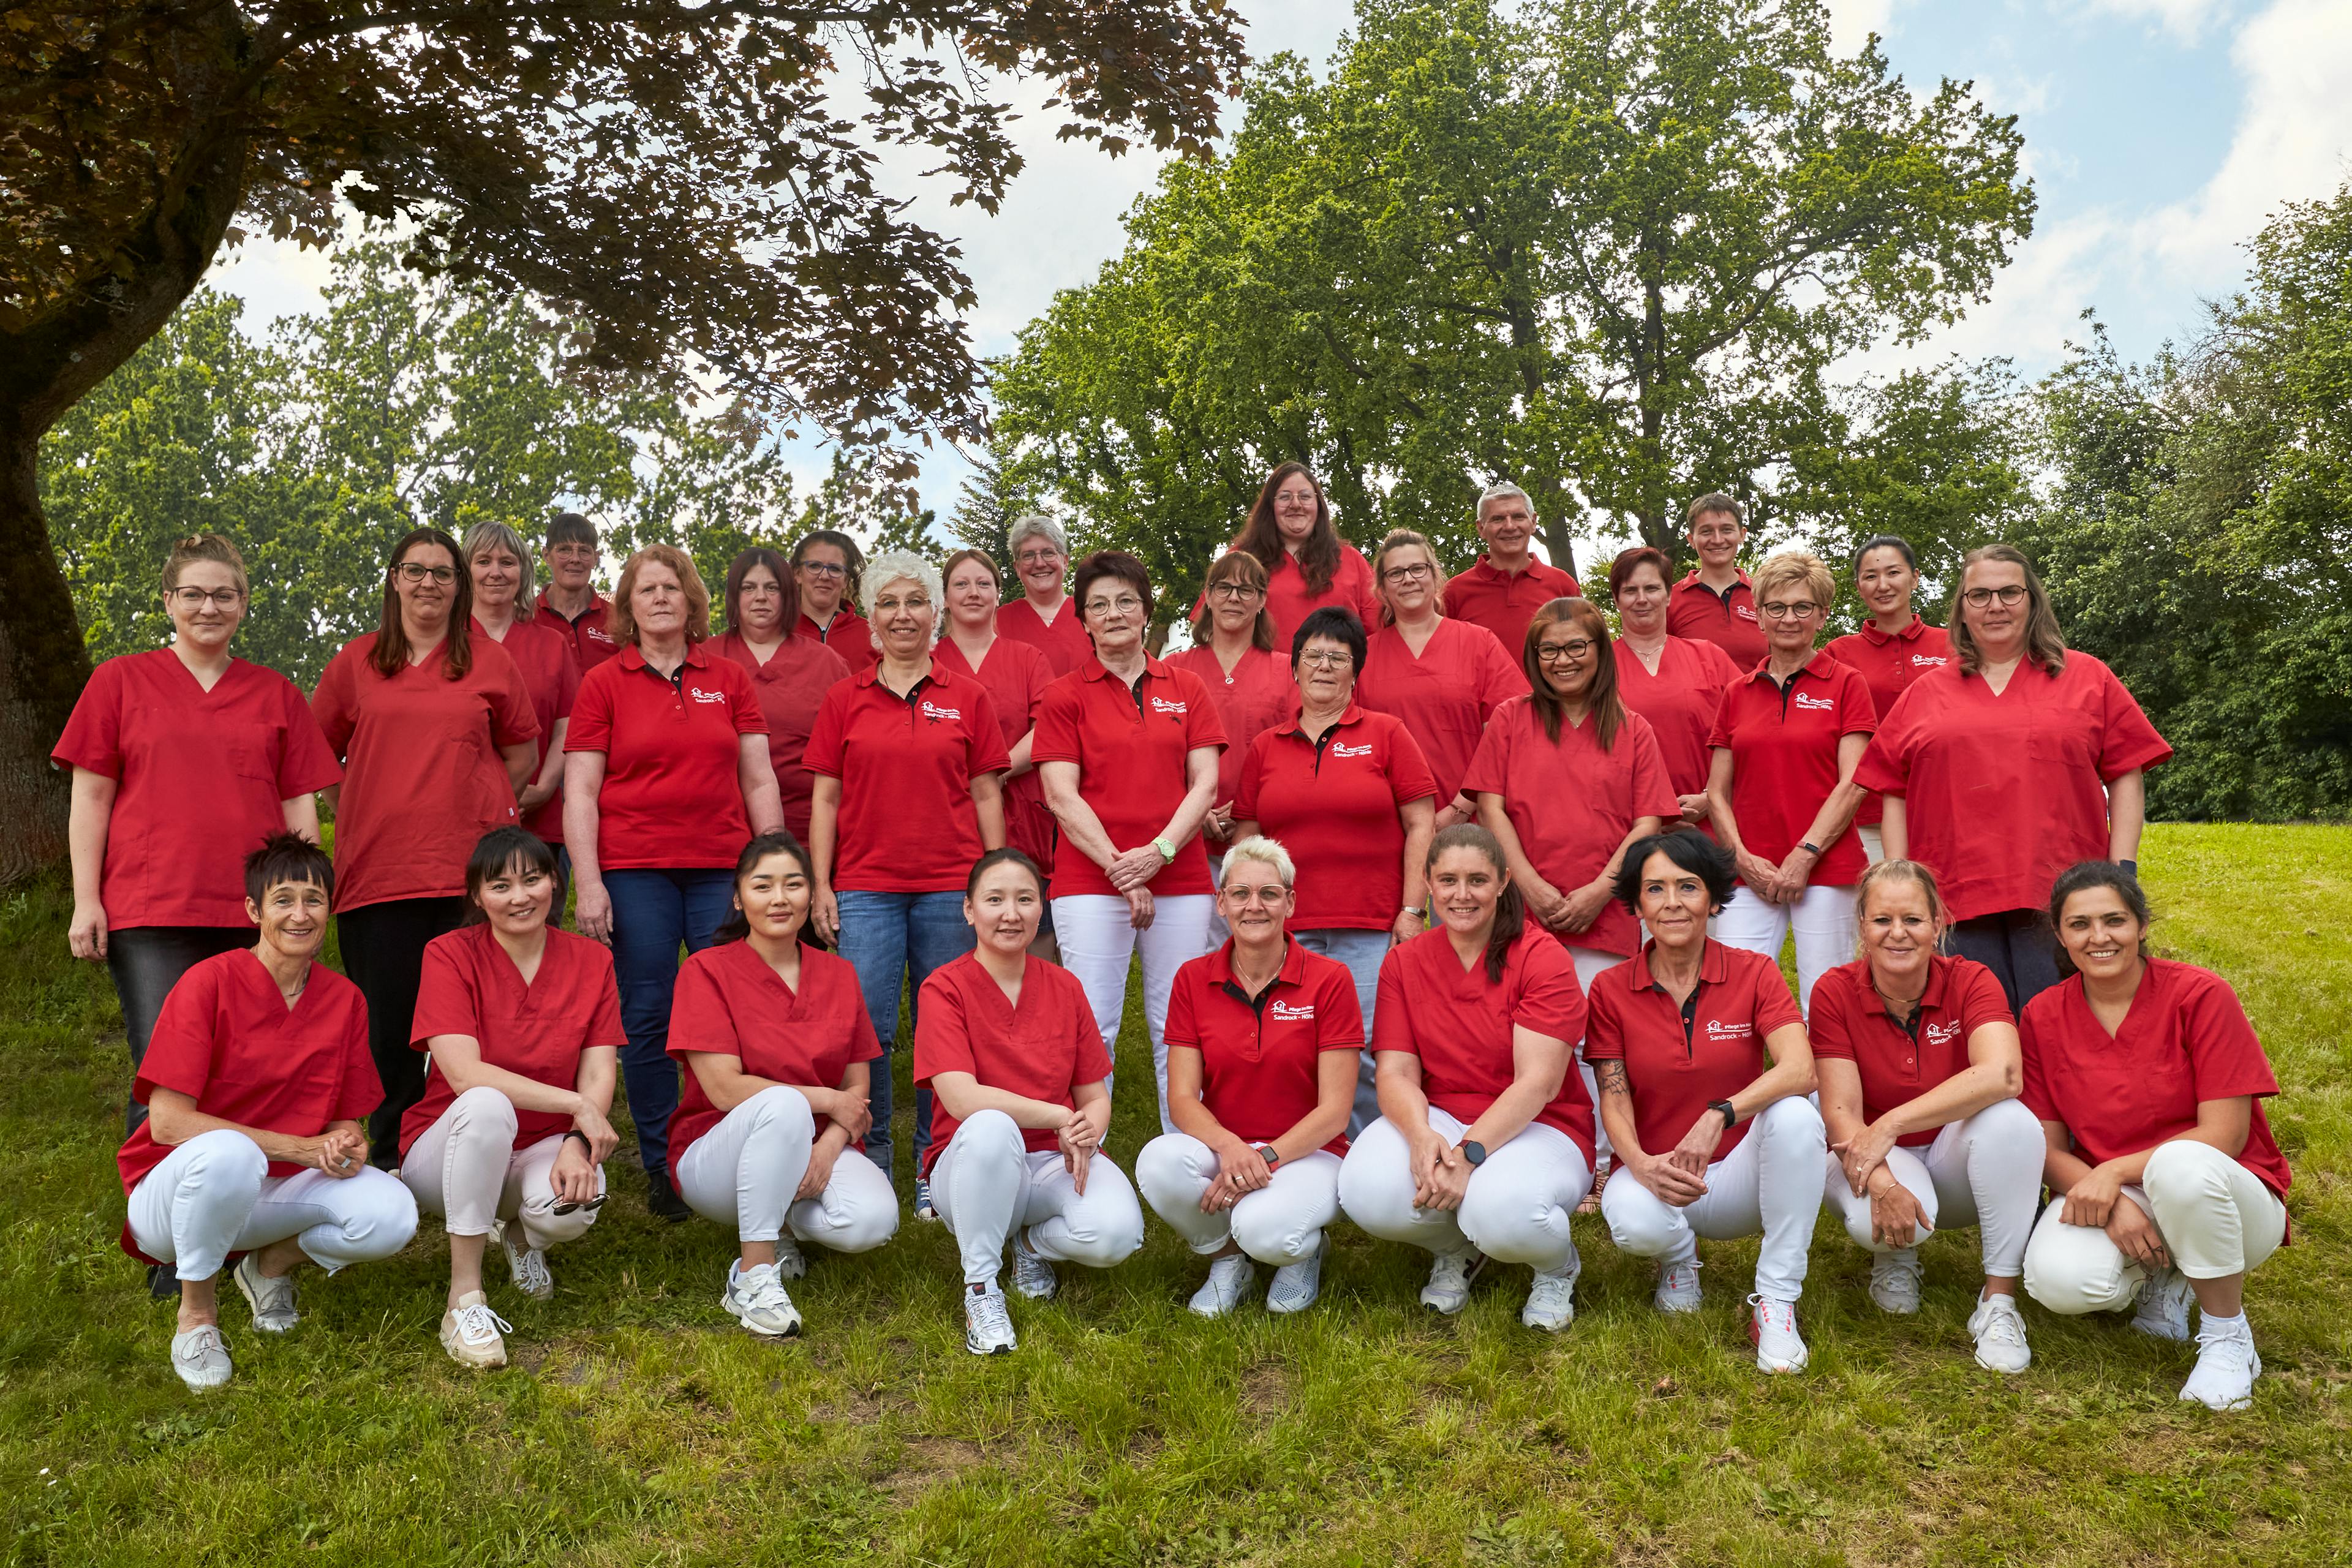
(201, 778)
(1505, 602)
(907, 765)
(789, 687)
(1064, 641)
(2185, 1038)
(1459, 1024)
(1727, 619)
(729, 1003)
(1257, 696)
(1333, 805)
(2004, 791)
(1890, 663)
(1015, 675)
(1674, 1064)
(1260, 1063)
(1784, 759)
(1446, 696)
(1898, 1065)
(1679, 702)
(1132, 746)
(1044, 1048)
(551, 673)
(849, 634)
(673, 790)
(1287, 602)
(1572, 804)
(592, 643)
(423, 780)
(227, 1040)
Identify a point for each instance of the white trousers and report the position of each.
(1515, 1210)
(2215, 1215)
(1770, 1186)
(1822, 919)
(1983, 1169)
(1097, 945)
(987, 1184)
(744, 1171)
(214, 1195)
(1280, 1222)
(1874, 843)
(1590, 961)
(467, 1169)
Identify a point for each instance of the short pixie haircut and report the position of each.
(1793, 567)
(1118, 565)
(288, 857)
(1264, 851)
(1715, 503)
(1039, 524)
(1335, 622)
(891, 566)
(1628, 561)
(1692, 851)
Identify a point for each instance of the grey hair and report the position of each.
(888, 567)
(1265, 852)
(1499, 490)
(489, 533)
(1038, 523)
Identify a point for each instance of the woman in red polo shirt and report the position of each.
(826, 563)
(1917, 1057)
(2149, 1083)
(1232, 653)
(1009, 1046)
(1044, 616)
(780, 1060)
(1781, 796)
(1015, 675)
(523, 1024)
(502, 568)
(1716, 603)
(791, 675)
(1894, 647)
(2017, 760)
(1484, 1146)
(1129, 750)
(1673, 683)
(668, 776)
(437, 737)
(1679, 1037)
(1263, 1037)
(1308, 564)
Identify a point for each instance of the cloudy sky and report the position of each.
(2159, 133)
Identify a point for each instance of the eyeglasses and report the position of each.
(1779, 612)
(1042, 556)
(410, 572)
(1420, 571)
(2009, 596)
(1267, 896)
(1233, 591)
(824, 568)
(1562, 652)
(1126, 605)
(196, 598)
(1326, 661)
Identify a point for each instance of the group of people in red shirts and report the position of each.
(1458, 905)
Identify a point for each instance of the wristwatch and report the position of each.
(1808, 843)
(1167, 851)
(1473, 1152)
(1731, 1117)
(1270, 1155)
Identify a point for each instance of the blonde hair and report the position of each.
(490, 532)
(186, 553)
(1793, 566)
(1262, 851)
(1892, 874)
(621, 619)
(1402, 538)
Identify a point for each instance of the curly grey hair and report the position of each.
(891, 566)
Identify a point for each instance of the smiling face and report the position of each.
(1717, 536)
(571, 564)
(1883, 581)
(2101, 934)
(515, 901)
(973, 596)
(902, 617)
(1325, 671)
(1642, 602)
(1041, 566)
(1675, 904)
(1899, 932)
(824, 577)
(292, 917)
(498, 578)
(1792, 618)
(206, 606)
(1409, 581)
(1295, 507)
(658, 602)
(775, 897)
(759, 605)
(1234, 604)
(425, 578)
(1996, 604)
(1255, 903)
(1568, 658)
(1506, 524)
(1465, 886)
(1114, 613)
(1003, 908)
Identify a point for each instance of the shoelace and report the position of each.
(2236, 1349)
(530, 1270)
(479, 1323)
(988, 1314)
(207, 1338)
(2008, 1327)
(1778, 1316)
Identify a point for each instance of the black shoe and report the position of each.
(663, 1199)
(163, 1284)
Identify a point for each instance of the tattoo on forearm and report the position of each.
(1612, 1074)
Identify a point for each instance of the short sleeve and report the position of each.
(1654, 790)
(1604, 1025)
(1719, 732)
(446, 1001)
(1040, 676)
(1502, 679)
(2032, 1032)
(1774, 1005)
(362, 1086)
(1548, 1000)
(1092, 1063)
(1409, 775)
(1829, 1026)
(2225, 1058)
(743, 701)
(335, 703)
(942, 1039)
(1368, 599)
(1183, 1027)
(1490, 765)
(1246, 801)
(984, 749)
(2128, 741)
(1392, 1010)
(1857, 713)
(306, 763)
(700, 1019)
(1202, 725)
(822, 756)
(1981, 999)
(1056, 740)
(592, 712)
(93, 734)
(1338, 1016)
(180, 1048)
(512, 719)
(1886, 765)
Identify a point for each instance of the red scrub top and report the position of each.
(551, 673)
(1890, 662)
(907, 765)
(729, 1003)
(2185, 1038)
(423, 780)
(201, 778)
(1727, 619)
(227, 1040)
(537, 1030)
(1333, 805)
(1130, 745)
(1257, 696)
(1043, 1048)
(2003, 792)
(1899, 1063)
(1571, 804)
(1676, 1062)
(1459, 1024)
(1679, 702)
(1446, 696)
(1261, 1056)
(1015, 675)
(1064, 641)
(592, 643)
(1505, 602)
(673, 791)
(1784, 759)
(1287, 602)
(789, 687)
(849, 635)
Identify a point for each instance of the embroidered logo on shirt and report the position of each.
(934, 712)
(1927, 661)
(699, 695)
(1716, 1029)
(1341, 749)
(1824, 703)
(1290, 1013)
(597, 634)
(1745, 612)
(1943, 1033)
(1161, 705)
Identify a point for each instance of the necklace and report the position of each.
(1897, 1007)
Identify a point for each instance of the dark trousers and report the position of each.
(653, 913)
(384, 952)
(146, 962)
(2017, 945)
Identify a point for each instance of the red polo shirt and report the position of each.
(849, 634)
(2004, 791)
(1063, 641)
(1898, 1063)
(1043, 1048)
(1459, 1024)
(788, 687)
(729, 1003)
(1017, 674)
(1446, 696)
(592, 643)
(551, 673)
(1727, 619)
(537, 1029)
(1889, 663)
(1130, 745)
(1287, 602)
(906, 767)
(1258, 695)
(1261, 1057)
(1571, 804)
(1333, 804)
(1677, 1060)
(673, 793)
(1679, 702)
(201, 778)
(1505, 602)
(1783, 741)
(2185, 1038)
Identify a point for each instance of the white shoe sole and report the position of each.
(752, 1327)
(246, 1290)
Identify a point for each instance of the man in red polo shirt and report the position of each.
(570, 598)
(1715, 603)
(1503, 591)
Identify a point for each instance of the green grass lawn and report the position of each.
(640, 1426)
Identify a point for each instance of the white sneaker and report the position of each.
(201, 1357)
(469, 1333)
(1448, 1291)
(2164, 1303)
(1999, 1331)
(2226, 1366)
(756, 1297)
(1678, 1287)
(1296, 1285)
(272, 1301)
(1551, 1305)
(1773, 1328)
(791, 1262)
(1232, 1279)
(526, 1264)
(1031, 1275)
(1894, 1280)
(987, 1326)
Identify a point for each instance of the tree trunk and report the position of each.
(42, 667)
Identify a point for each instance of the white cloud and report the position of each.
(2186, 20)
(1851, 21)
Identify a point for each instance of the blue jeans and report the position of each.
(894, 941)
(1362, 953)
(653, 913)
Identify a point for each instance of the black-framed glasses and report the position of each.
(1562, 652)
(1780, 612)
(1419, 572)
(411, 572)
(824, 568)
(1233, 590)
(2010, 594)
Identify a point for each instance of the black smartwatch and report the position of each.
(1272, 1156)
(1473, 1152)
(1731, 1117)
(576, 1132)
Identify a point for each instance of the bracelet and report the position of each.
(572, 1132)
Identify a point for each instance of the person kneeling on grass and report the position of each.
(1679, 1037)
(1918, 1064)
(779, 1055)
(1009, 1046)
(1264, 1039)
(256, 1080)
(522, 1023)
(2147, 1078)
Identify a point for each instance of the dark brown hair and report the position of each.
(1510, 908)
(1235, 566)
(1116, 564)
(1319, 557)
(390, 656)
(741, 568)
(737, 926)
(1601, 700)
